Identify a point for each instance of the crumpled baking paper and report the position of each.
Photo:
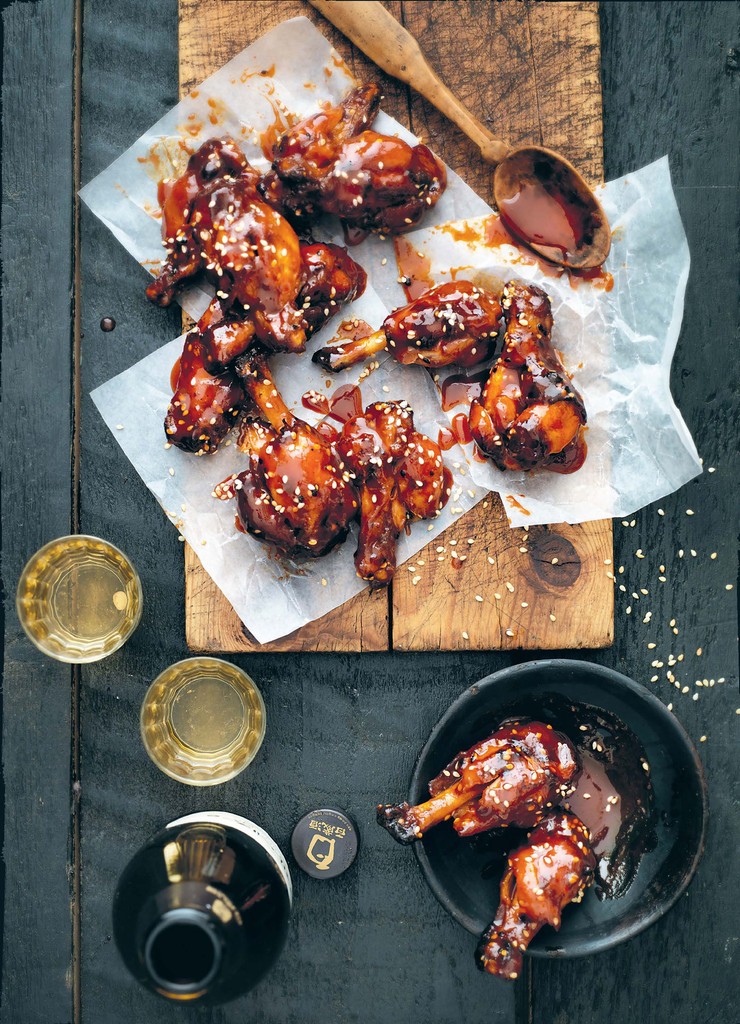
(618, 345)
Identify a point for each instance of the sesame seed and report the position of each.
(509, 632)
(465, 635)
(689, 511)
(478, 597)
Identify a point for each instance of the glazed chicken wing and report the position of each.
(511, 778)
(333, 163)
(529, 415)
(330, 278)
(205, 405)
(270, 288)
(552, 869)
(401, 477)
(295, 493)
(452, 323)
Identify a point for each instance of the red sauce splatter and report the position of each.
(315, 401)
(518, 505)
(175, 374)
(269, 137)
(345, 403)
(596, 276)
(265, 73)
(353, 329)
(460, 389)
(445, 439)
(218, 111)
(415, 269)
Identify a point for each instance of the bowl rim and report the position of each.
(490, 682)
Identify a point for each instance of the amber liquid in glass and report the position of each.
(79, 599)
(202, 721)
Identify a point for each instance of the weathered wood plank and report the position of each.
(541, 83)
(36, 421)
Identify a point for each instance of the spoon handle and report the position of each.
(377, 33)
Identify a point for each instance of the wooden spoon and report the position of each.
(540, 195)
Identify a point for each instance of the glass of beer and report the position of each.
(79, 599)
(202, 721)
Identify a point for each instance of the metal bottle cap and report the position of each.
(324, 843)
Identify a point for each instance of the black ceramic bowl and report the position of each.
(464, 874)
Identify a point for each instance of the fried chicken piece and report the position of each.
(246, 249)
(529, 415)
(295, 493)
(205, 405)
(510, 778)
(452, 323)
(331, 278)
(552, 869)
(401, 475)
(333, 163)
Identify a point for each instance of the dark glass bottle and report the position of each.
(201, 912)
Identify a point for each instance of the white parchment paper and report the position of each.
(618, 344)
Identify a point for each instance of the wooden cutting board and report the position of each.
(530, 71)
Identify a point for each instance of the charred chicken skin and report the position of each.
(295, 493)
(333, 163)
(401, 477)
(512, 778)
(269, 288)
(453, 323)
(552, 869)
(205, 405)
(529, 415)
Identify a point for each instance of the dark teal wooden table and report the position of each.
(81, 80)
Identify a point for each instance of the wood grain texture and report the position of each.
(36, 879)
(529, 92)
(534, 98)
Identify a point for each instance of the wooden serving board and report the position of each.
(530, 71)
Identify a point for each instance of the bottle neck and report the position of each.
(183, 953)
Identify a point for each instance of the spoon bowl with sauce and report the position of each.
(540, 195)
(641, 793)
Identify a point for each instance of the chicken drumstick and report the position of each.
(269, 287)
(401, 476)
(455, 322)
(295, 492)
(333, 163)
(552, 869)
(507, 779)
(529, 414)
